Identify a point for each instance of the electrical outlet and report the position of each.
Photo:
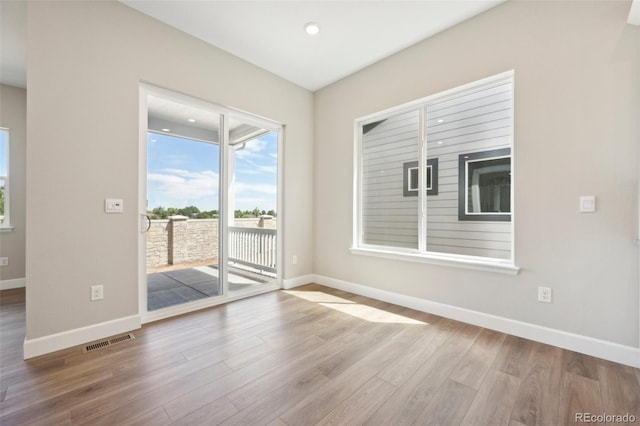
(544, 294)
(4, 261)
(294, 260)
(97, 292)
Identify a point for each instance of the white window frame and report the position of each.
(420, 254)
(6, 223)
(463, 192)
(475, 201)
(412, 186)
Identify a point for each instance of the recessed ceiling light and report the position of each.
(191, 120)
(440, 121)
(439, 142)
(166, 130)
(311, 28)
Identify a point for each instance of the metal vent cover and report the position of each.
(107, 342)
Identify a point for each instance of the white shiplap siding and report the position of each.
(388, 217)
(477, 122)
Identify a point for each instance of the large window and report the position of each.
(4, 179)
(434, 178)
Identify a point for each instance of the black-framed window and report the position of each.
(484, 186)
(410, 178)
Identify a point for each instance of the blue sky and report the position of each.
(182, 173)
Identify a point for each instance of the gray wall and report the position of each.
(86, 60)
(577, 102)
(13, 115)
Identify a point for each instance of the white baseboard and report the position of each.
(615, 352)
(297, 281)
(55, 342)
(10, 284)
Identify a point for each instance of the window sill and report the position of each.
(6, 228)
(465, 262)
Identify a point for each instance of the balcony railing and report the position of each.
(254, 247)
(179, 240)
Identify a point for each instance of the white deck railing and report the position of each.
(255, 247)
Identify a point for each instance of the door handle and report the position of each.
(148, 219)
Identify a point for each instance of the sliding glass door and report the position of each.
(209, 217)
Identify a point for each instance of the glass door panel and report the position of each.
(183, 170)
(252, 206)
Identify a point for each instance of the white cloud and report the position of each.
(179, 188)
(251, 149)
(259, 189)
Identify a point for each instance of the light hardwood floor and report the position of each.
(309, 356)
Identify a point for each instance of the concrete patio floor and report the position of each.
(175, 287)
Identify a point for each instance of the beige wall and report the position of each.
(577, 109)
(13, 115)
(86, 60)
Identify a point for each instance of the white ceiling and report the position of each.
(269, 34)
(353, 34)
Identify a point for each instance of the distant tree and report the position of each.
(271, 213)
(190, 211)
(159, 212)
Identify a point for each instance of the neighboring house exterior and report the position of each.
(469, 134)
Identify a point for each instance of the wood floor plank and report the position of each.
(308, 356)
(277, 422)
(314, 407)
(250, 393)
(204, 395)
(535, 403)
(494, 401)
(272, 404)
(157, 417)
(473, 368)
(448, 406)
(144, 392)
(406, 404)
(356, 408)
(619, 389)
(20, 398)
(416, 353)
(578, 395)
(513, 357)
(212, 413)
(576, 363)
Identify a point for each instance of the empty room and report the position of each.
(320, 212)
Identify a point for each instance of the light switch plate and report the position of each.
(113, 205)
(587, 204)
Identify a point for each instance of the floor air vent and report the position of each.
(108, 342)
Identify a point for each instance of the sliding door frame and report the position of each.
(226, 114)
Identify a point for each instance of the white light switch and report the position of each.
(113, 205)
(587, 204)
